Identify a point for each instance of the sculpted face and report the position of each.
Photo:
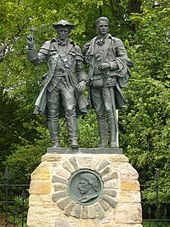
(63, 33)
(83, 186)
(103, 27)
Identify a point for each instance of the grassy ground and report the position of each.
(156, 224)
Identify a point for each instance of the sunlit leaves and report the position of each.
(144, 124)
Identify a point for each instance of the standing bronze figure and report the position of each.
(64, 83)
(108, 72)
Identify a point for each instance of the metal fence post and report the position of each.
(14, 218)
(23, 209)
(157, 188)
(149, 211)
(6, 175)
(157, 194)
(165, 212)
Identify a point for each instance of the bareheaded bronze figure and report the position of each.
(108, 65)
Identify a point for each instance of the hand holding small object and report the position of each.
(81, 86)
(103, 66)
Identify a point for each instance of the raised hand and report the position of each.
(30, 41)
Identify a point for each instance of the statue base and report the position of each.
(85, 188)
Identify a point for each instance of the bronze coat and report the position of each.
(48, 52)
(114, 51)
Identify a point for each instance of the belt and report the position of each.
(60, 73)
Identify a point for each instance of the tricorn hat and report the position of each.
(63, 23)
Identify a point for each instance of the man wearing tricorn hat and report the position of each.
(64, 84)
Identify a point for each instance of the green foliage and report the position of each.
(25, 159)
(150, 46)
(155, 224)
(17, 210)
(88, 130)
(144, 124)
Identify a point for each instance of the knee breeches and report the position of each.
(103, 99)
(54, 105)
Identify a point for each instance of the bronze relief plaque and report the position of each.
(85, 186)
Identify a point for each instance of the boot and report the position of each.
(74, 143)
(113, 131)
(103, 131)
(53, 126)
(55, 142)
(73, 131)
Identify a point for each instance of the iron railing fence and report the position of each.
(14, 204)
(157, 212)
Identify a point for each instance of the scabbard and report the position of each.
(112, 96)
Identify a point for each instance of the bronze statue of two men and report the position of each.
(64, 84)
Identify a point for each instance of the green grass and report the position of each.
(156, 224)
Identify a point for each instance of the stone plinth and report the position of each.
(58, 197)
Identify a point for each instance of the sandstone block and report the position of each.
(87, 223)
(51, 158)
(118, 158)
(130, 185)
(42, 172)
(108, 225)
(128, 225)
(128, 173)
(130, 197)
(40, 187)
(62, 223)
(128, 213)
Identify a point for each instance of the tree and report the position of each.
(144, 124)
